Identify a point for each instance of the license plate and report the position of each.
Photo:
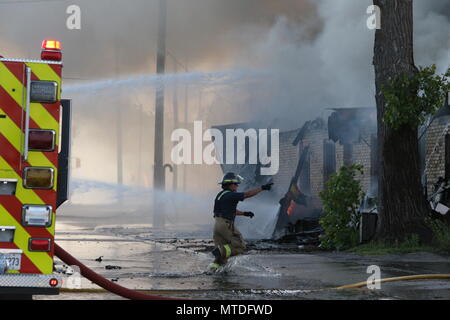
(13, 260)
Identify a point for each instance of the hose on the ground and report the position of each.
(403, 278)
(348, 286)
(101, 281)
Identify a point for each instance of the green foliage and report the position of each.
(341, 199)
(410, 98)
(441, 234)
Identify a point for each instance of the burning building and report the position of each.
(308, 157)
(310, 154)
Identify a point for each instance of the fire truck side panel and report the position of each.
(12, 127)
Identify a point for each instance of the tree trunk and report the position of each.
(402, 205)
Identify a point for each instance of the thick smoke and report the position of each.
(319, 53)
(285, 62)
(333, 68)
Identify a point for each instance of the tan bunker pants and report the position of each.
(228, 238)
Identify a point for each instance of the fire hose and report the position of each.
(103, 282)
(403, 278)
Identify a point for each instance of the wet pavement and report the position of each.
(173, 263)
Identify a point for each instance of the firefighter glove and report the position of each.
(267, 186)
(249, 214)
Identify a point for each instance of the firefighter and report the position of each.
(227, 238)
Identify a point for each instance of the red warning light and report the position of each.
(51, 45)
(51, 50)
(53, 282)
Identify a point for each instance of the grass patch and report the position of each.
(440, 244)
(409, 245)
(441, 233)
(377, 248)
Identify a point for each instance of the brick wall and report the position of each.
(289, 155)
(315, 138)
(435, 151)
(361, 155)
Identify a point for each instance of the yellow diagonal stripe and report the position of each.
(11, 131)
(45, 72)
(38, 113)
(21, 237)
(35, 158)
(14, 134)
(26, 196)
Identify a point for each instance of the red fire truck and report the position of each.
(34, 153)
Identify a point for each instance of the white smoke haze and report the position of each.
(125, 204)
(126, 201)
(280, 63)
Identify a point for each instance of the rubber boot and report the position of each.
(218, 256)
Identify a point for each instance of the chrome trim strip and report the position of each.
(30, 61)
(7, 228)
(27, 114)
(29, 280)
(11, 251)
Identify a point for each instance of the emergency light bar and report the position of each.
(38, 178)
(51, 45)
(51, 50)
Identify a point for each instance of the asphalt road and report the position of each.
(138, 257)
